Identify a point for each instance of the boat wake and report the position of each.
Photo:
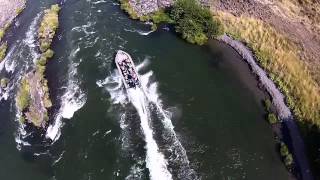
(144, 100)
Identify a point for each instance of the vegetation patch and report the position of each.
(1, 33)
(23, 95)
(3, 50)
(280, 58)
(194, 22)
(286, 155)
(272, 118)
(48, 27)
(4, 82)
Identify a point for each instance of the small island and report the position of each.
(33, 98)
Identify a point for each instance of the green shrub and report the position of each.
(1, 33)
(284, 151)
(55, 8)
(160, 17)
(267, 105)
(286, 155)
(3, 50)
(4, 82)
(272, 118)
(23, 96)
(44, 45)
(22, 119)
(42, 61)
(194, 22)
(48, 54)
(288, 161)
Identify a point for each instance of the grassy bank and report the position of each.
(25, 103)
(280, 58)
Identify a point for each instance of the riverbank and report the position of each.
(9, 10)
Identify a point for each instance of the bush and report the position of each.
(42, 61)
(44, 46)
(288, 161)
(272, 118)
(48, 54)
(284, 151)
(1, 33)
(161, 17)
(267, 104)
(55, 8)
(4, 82)
(193, 22)
(3, 50)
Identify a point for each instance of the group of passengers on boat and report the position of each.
(128, 72)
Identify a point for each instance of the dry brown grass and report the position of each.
(280, 58)
(306, 11)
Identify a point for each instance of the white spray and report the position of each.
(156, 162)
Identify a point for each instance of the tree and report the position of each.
(194, 22)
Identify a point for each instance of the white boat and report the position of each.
(127, 70)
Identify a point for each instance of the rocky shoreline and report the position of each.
(33, 98)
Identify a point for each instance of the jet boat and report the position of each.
(127, 70)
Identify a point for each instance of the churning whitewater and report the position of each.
(144, 99)
(156, 163)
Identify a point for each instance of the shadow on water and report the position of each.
(311, 136)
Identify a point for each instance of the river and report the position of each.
(199, 115)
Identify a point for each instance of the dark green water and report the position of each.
(207, 93)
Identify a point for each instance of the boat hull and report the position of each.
(127, 70)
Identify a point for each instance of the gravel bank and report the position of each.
(290, 128)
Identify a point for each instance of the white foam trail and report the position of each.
(155, 160)
(21, 133)
(180, 154)
(98, 2)
(143, 33)
(30, 39)
(72, 100)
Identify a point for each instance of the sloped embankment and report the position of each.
(33, 95)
